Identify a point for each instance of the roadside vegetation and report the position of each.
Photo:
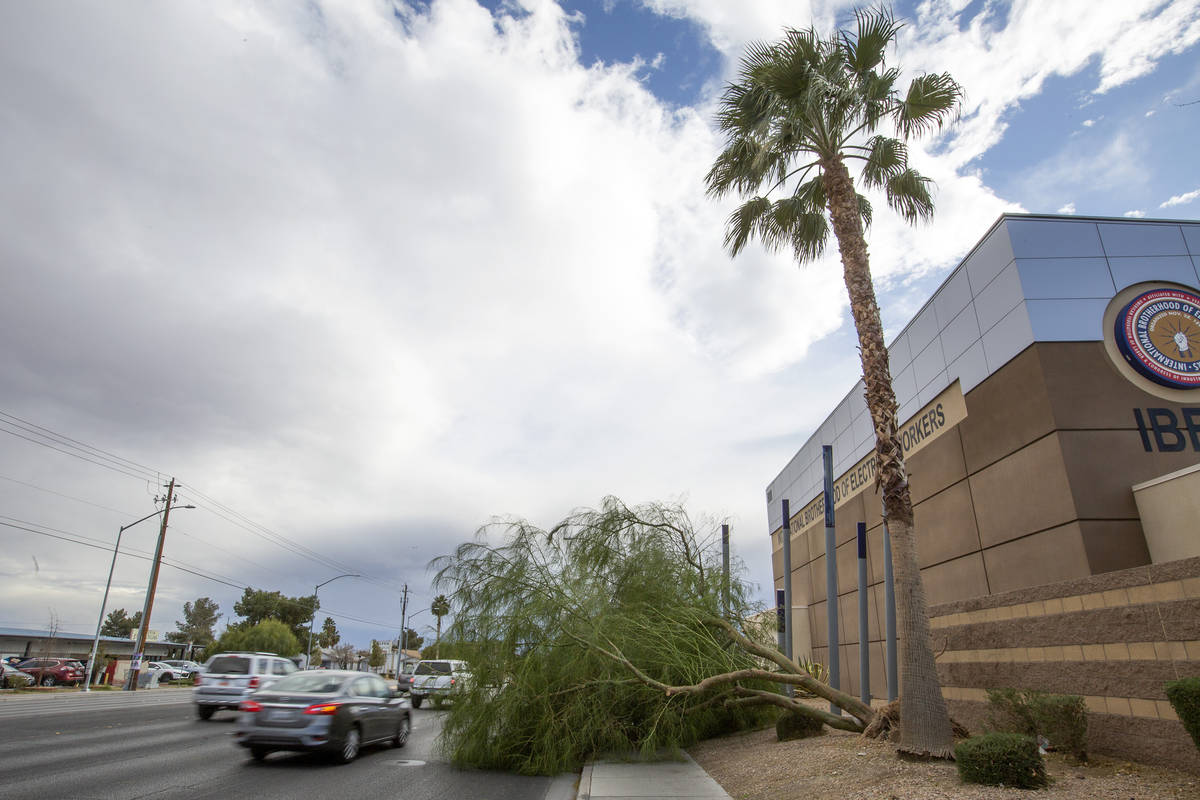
(613, 632)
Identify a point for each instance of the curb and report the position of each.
(585, 783)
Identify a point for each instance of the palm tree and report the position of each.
(440, 608)
(801, 108)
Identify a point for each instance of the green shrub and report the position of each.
(1000, 758)
(1061, 719)
(794, 725)
(1184, 695)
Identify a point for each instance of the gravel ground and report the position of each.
(842, 766)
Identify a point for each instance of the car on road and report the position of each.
(405, 678)
(182, 669)
(13, 678)
(228, 678)
(438, 680)
(336, 712)
(52, 671)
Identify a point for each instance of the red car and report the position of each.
(49, 671)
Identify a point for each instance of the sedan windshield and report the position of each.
(314, 682)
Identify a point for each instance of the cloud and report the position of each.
(1134, 213)
(1087, 123)
(1181, 199)
(1069, 208)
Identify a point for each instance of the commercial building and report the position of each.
(1049, 399)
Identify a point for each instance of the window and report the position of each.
(281, 668)
(433, 668)
(229, 665)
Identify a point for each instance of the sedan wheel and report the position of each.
(350, 743)
(402, 731)
(47, 680)
(259, 753)
(417, 700)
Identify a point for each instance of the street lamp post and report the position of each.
(87, 687)
(308, 654)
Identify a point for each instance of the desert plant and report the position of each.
(1061, 719)
(1184, 695)
(1001, 758)
(791, 725)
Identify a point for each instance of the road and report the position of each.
(149, 744)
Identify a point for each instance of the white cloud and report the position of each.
(1087, 123)
(1181, 199)
(1134, 213)
(370, 280)
(1069, 208)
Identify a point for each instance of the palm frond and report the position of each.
(908, 194)
(741, 167)
(809, 235)
(810, 196)
(744, 222)
(931, 102)
(886, 157)
(865, 212)
(877, 29)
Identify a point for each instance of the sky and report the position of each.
(364, 275)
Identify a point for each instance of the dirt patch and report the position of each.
(755, 766)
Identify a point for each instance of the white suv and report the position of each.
(438, 678)
(229, 677)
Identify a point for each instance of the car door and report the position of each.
(389, 706)
(369, 708)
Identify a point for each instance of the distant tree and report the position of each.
(411, 640)
(329, 636)
(440, 608)
(199, 619)
(257, 605)
(343, 655)
(376, 658)
(117, 623)
(268, 636)
(314, 658)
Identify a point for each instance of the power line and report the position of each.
(75, 448)
(80, 539)
(72, 447)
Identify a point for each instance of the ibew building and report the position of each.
(1049, 399)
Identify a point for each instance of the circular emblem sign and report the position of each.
(1159, 335)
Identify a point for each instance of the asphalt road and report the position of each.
(149, 744)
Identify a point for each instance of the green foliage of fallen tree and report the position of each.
(612, 632)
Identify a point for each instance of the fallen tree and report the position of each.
(613, 631)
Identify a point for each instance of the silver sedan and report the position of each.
(328, 711)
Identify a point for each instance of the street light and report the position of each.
(87, 687)
(308, 654)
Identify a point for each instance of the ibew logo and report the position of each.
(1162, 430)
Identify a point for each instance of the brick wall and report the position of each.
(1114, 638)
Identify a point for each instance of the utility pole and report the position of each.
(403, 624)
(139, 648)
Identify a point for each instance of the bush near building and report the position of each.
(1060, 719)
(1001, 758)
(1184, 695)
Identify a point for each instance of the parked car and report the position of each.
(166, 673)
(229, 678)
(405, 678)
(438, 679)
(13, 678)
(182, 669)
(51, 671)
(337, 712)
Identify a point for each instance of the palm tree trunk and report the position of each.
(924, 720)
(437, 644)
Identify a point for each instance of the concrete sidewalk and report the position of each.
(609, 780)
